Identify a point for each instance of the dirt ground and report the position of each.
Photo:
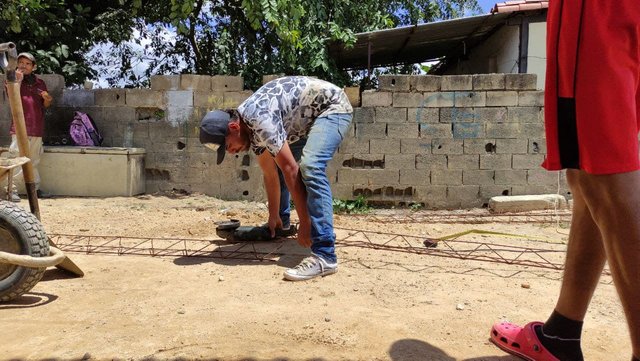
(392, 299)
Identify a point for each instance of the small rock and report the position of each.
(355, 289)
(327, 319)
(525, 285)
(221, 278)
(86, 356)
(459, 307)
(181, 312)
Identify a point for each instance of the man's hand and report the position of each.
(47, 99)
(274, 223)
(304, 234)
(19, 75)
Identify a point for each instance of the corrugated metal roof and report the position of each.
(416, 44)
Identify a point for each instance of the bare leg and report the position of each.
(614, 203)
(585, 256)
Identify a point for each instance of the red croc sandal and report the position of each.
(520, 341)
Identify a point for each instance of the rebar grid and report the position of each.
(537, 217)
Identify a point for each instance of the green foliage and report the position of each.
(357, 206)
(235, 37)
(414, 207)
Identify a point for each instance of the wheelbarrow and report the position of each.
(25, 250)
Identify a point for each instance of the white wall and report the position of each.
(536, 60)
(499, 54)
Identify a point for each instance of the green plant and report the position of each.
(356, 206)
(414, 207)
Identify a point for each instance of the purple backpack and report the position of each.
(83, 131)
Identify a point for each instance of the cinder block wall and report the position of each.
(445, 142)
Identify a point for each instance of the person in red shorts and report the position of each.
(592, 118)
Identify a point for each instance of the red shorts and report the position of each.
(592, 95)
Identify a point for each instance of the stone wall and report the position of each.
(445, 142)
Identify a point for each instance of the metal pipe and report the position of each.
(9, 60)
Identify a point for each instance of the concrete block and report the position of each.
(470, 99)
(478, 177)
(446, 176)
(543, 177)
(463, 161)
(370, 131)
(363, 161)
(434, 197)
(490, 115)
(512, 146)
(537, 146)
(408, 100)
(178, 115)
(468, 130)
(502, 98)
(521, 81)
(415, 146)
(425, 83)
(457, 82)
(467, 196)
(55, 85)
(430, 131)
(479, 146)
(165, 82)
(488, 191)
(423, 115)
(502, 130)
(353, 145)
(226, 83)
(400, 161)
(144, 98)
(488, 82)
(394, 83)
(392, 115)
(208, 100)
(524, 114)
(270, 77)
(502, 204)
(76, 98)
(418, 177)
(403, 131)
(109, 97)
(342, 191)
(511, 177)
(195, 82)
(234, 99)
(446, 146)
(438, 100)
(386, 146)
(353, 94)
(495, 161)
(527, 161)
(372, 98)
(113, 114)
(364, 115)
(532, 130)
(431, 161)
(178, 98)
(456, 115)
(531, 98)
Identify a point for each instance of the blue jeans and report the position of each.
(285, 197)
(326, 134)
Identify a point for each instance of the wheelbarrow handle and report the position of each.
(9, 60)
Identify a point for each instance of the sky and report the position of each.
(486, 5)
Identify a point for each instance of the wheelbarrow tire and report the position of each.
(20, 233)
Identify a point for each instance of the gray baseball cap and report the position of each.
(28, 56)
(213, 130)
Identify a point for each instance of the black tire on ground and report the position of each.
(20, 233)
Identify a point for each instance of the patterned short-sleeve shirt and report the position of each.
(284, 109)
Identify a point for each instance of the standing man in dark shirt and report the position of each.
(35, 98)
(280, 113)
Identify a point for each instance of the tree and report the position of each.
(130, 40)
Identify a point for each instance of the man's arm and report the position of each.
(272, 186)
(46, 98)
(289, 168)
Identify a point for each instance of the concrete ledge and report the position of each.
(502, 204)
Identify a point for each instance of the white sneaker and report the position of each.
(310, 267)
